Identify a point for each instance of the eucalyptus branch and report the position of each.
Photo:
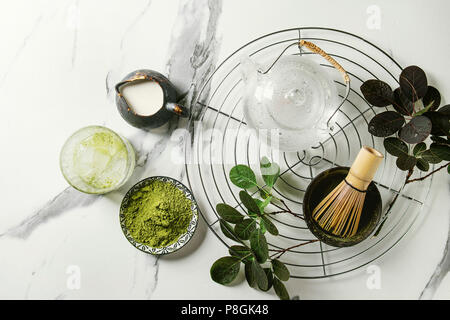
(407, 180)
(410, 125)
(290, 211)
(424, 177)
(287, 210)
(410, 172)
(283, 251)
(277, 212)
(250, 233)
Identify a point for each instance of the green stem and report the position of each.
(283, 251)
(407, 180)
(245, 257)
(276, 212)
(263, 190)
(410, 172)
(288, 210)
(424, 177)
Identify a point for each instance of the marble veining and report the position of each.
(200, 58)
(439, 273)
(201, 30)
(194, 50)
(22, 47)
(145, 275)
(194, 12)
(140, 16)
(195, 76)
(74, 21)
(114, 76)
(66, 200)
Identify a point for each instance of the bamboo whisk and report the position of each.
(340, 211)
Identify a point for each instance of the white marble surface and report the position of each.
(58, 63)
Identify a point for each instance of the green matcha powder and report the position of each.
(157, 214)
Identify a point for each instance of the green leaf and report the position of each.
(445, 110)
(432, 97)
(225, 270)
(386, 123)
(245, 228)
(269, 276)
(263, 204)
(402, 104)
(249, 202)
(406, 162)
(395, 146)
(440, 140)
(260, 275)
(228, 213)
(259, 246)
(440, 150)
(270, 226)
(269, 171)
(280, 270)
(280, 289)
(242, 176)
(264, 193)
(413, 82)
(377, 93)
(440, 125)
(426, 109)
(262, 226)
(249, 274)
(419, 148)
(416, 130)
(422, 165)
(240, 252)
(430, 157)
(228, 231)
(253, 215)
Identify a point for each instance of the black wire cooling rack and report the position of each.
(220, 140)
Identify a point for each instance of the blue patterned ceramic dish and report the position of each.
(183, 239)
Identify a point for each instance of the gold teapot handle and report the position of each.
(311, 46)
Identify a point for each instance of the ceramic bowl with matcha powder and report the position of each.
(158, 215)
(97, 160)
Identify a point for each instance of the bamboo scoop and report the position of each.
(340, 211)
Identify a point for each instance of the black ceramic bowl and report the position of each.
(320, 187)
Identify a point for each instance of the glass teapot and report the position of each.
(293, 101)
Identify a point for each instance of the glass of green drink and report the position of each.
(97, 160)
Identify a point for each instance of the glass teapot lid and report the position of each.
(296, 97)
